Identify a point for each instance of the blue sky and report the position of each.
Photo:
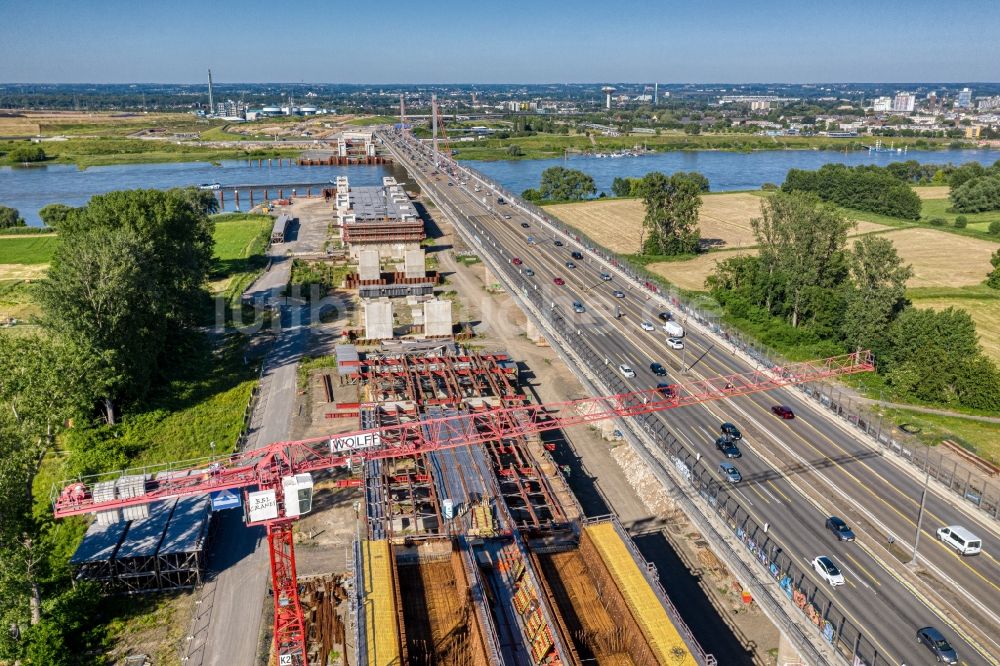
(510, 41)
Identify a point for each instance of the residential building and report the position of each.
(882, 104)
(904, 102)
(973, 131)
(964, 99)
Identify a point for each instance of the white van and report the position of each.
(961, 539)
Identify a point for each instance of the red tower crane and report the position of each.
(278, 488)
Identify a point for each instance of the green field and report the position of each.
(31, 250)
(240, 240)
(978, 222)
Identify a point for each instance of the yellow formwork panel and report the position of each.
(663, 637)
(381, 621)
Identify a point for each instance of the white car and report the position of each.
(675, 343)
(828, 571)
(626, 370)
(647, 326)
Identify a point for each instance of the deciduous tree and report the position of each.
(877, 291)
(671, 221)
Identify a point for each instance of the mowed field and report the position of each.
(939, 259)
(926, 192)
(26, 257)
(981, 302)
(724, 220)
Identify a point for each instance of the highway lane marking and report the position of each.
(768, 493)
(862, 568)
(744, 496)
(778, 490)
(753, 487)
(793, 484)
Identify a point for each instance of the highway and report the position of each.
(795, 472)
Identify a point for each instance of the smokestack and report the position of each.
(656, 93)
(211, 102)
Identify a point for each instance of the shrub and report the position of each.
(938, 221)
(769, 187)
(961, 222)
(994, 228)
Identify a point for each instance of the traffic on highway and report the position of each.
(844, 514)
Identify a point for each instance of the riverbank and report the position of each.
(107, 151)
(545, 146)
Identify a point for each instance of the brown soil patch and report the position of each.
(724, 220)
(932, 192)
(942, 259)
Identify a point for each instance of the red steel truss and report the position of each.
(289, 623)
(263, 468)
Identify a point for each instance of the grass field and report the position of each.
(941, 259)
(939, 208)
(240, 239)
(926, 192)
(31, 250)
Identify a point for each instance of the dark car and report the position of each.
(840, 528)
(576, 255)
(665, 316)
(558, 243)
(942, 650)
(559, 281)
(525, 225)
(570, 264)
(728, 448)
(667, 390)
(731, 431)
(606, 276)
(529, 273)
(618, 293)
(783, 412)
(658, 369)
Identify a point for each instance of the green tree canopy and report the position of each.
(561, 184)
(671, 221)
(54, 214)
(878, 279)
(24, 154)
(993, 279)
(10, 217)
(977, 195)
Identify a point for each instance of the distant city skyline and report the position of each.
(112, 41)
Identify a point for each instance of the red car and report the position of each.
(783, 412)
(559, 281)
(515, 261)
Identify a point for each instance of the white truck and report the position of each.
(673, 329)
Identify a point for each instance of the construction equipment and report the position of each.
(277, 483)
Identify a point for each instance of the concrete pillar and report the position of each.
(787, 655)
(378, 320)
(437, 318)
(368, 265)
(414, 264)
(533, 334)
(492, 283)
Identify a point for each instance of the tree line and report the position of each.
(861, 188)
(119, 304)
(806, 287)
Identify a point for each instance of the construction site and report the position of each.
(480, 554)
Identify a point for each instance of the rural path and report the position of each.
(931, 410)
(229, 616)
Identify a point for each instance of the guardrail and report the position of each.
(972, 486)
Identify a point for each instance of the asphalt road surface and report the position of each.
(795, 472)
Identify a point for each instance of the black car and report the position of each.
(731, 431)
(525, 225)
(728, 448)
(576, 255)
(667, 390)
(558, 243)
(840, 528)
(658, 369)
(942, 650)
(570, 264)
(665, 316)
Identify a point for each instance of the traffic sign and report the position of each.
(225, 499)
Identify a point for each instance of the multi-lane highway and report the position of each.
(795, 472)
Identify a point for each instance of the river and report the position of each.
(30, 188)
(726, 171)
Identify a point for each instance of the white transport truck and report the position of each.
(673, 329)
